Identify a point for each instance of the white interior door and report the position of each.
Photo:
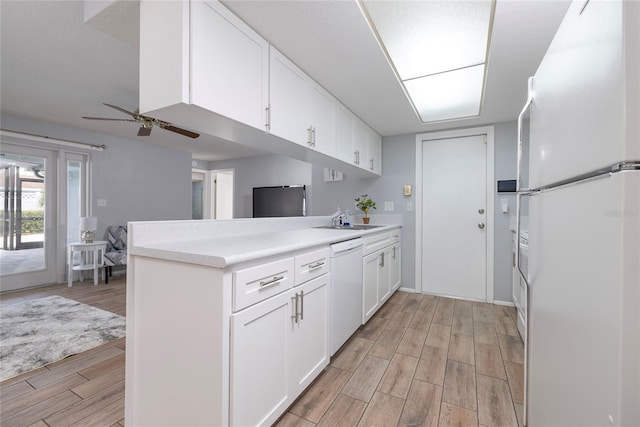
(454, 217)
(223, 198)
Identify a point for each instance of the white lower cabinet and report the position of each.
(278, 347)
(395, 267)
(380, 273)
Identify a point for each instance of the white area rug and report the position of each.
(38, 332)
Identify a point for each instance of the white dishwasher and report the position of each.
(346, 291)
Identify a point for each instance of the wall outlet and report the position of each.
(388, 206)
(409, 206)
(102, 202)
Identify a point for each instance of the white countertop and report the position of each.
(225, 251)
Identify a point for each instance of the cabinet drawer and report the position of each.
(255, 284)
(376, 242)
(311, 265)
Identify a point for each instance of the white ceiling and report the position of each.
(56, 68)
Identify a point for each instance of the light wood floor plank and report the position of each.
(455, 416)
(36, 396)
(485, 332)
(432, 365)
(411, 303)
(462, 324)
(460, 385)
(495, 407)
(14, 390)
(388, 310)
(290, 420)
(444, 312)
(512, 348)
(345, 411)
(97, 384)
(386, 344)
(412, 342)
(461, 349)
(383, 410)
(373, 328)
(103, 367)
(314, 402)
(506, 325)
(365, 379)
(438, 336)
(352, 354)
(515, 375)
(421, 320)
(398, 376)
(463, 308)
(400, 321)
(41, 410)
(422, 406)
(108, 415)
(482, 312)
(86, 407)
(489, 361)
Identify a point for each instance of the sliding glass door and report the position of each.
(29, 223)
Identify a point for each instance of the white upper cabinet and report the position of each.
(229, 65)
(360, 143)
(344, 134)
(289, 100)
(322, 120)
(374, 152)
(300, 110)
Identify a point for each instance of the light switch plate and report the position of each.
(409, 206)
(102, 202)
(388, 206)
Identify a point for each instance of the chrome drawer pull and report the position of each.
(316, 265)
(271, 282)
(294, 308)
(301, 305)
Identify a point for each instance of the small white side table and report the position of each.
(94, 262)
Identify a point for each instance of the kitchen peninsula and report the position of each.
(229, 321)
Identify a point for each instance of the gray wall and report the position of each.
(264, 171)
(398, 168)
(139, 180)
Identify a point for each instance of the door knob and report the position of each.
(480, 211)
(481, 225)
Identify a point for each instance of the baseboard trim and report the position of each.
(410, 290)
(507, 303)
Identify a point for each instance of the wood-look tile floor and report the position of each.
(86, 389)
(422, 361)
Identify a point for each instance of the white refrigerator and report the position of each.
(583, 320)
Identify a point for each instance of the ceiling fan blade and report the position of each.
(115, 107)
(180, 131)
(144, 131)
(105, 118)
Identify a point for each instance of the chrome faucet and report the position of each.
(337, 218)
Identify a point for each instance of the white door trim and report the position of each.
(489, 132)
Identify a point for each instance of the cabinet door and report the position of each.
(395, 267)
(374, 149)
(310, 332)
(370, 286)
(384, 275)
(360, 142)
(344, 134)
(229, 65)
(323, 120)
(288, 100)
(260, 361)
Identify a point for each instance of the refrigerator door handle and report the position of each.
(520, 118)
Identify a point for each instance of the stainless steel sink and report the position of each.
(350, 227)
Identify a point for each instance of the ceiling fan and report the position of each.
(146, 122)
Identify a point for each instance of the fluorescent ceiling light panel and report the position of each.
(424, 40)
(454, 94)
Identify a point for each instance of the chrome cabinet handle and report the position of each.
(316, 265)
(301, 305)
(268, 117)
(481, 225)
(394, 252)
(355, 157)
(271, 282)
(313, 137)
(371, 160)
(381, 259)
(309, 138)
(294, 308)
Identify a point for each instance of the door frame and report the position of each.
(420, 138)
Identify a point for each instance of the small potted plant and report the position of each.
(364, 203)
